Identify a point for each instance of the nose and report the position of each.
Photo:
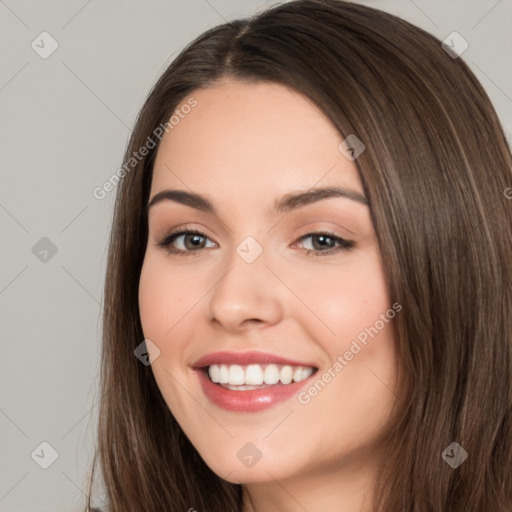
(246, 295)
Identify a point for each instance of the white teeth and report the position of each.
(236, 375)
(254, 375)
(214, 372)
(223, 374)
(271, 374)
(286, 375)
(257, 375)
(306, 372)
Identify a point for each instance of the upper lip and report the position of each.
(244, 358)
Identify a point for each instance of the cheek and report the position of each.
(162, 299)
(346, 299)
(150, 300)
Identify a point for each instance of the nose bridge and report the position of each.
(247, 289)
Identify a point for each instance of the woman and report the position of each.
(242, 372)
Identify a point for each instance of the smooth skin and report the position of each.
(244, 146)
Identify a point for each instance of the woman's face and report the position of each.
(266, 293)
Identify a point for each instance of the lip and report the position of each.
(250, 400)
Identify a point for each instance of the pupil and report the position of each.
(323, 238)
(195, 240)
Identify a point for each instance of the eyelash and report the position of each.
(167, 240)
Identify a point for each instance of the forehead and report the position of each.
(252, 140)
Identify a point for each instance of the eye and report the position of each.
(192, 242)
(326, 243)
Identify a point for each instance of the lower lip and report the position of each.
(250, 400)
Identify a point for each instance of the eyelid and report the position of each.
(185, 227)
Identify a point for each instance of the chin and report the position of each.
(240, 469)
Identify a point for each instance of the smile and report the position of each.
(256, 376)
(251, 381)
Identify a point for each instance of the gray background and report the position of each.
(65, 122)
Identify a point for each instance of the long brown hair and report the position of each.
(436, 171)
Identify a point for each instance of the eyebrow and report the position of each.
(289, 202)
